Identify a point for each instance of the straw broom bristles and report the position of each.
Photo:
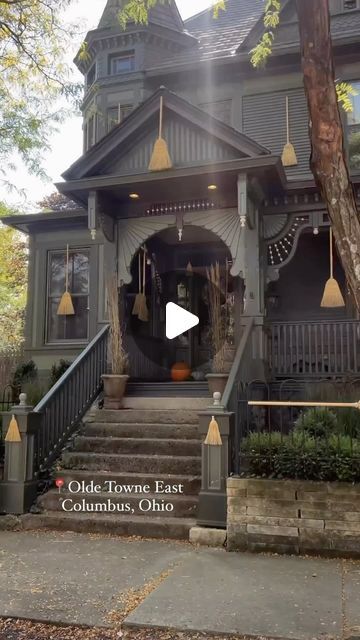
(13, 434)
(213, 438)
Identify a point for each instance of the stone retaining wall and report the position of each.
(289, 516)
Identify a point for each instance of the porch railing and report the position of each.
(311, 349)
(65, 404)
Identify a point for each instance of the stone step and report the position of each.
(133, 430)
(149, 416)
(191, 484)
(140, 504)
(184, 465)
(120, 525)
(172, 404)
(143, 446)
(168, 389)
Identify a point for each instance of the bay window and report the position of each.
(68, 328)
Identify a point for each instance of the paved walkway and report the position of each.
(91, 580)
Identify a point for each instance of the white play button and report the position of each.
(178, 321)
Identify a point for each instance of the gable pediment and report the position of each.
(193, 137)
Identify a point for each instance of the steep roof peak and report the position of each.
(165, 13)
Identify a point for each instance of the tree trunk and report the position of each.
(328, 157)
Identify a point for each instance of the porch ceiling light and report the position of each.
(134, 196)
(212, 187)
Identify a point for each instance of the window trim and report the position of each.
(91, 70)
(118, 55)
(70, 341)
(128, 107)
(346, 9)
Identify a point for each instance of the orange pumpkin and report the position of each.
(180, 372)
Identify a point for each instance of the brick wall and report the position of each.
(289, 516)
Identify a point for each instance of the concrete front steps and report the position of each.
(141, 448)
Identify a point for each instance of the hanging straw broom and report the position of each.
(332, 297)
(143, 314)
(288, 157)
(66, 307)
(138, 301)
(13, 434)
(213, 438)
(160, 159)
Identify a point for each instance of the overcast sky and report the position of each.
(66, 145)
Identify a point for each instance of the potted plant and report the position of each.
(116, 381)
(220, 371)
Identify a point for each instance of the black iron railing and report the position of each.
(308, 443)
(68, 400)
(309, 348)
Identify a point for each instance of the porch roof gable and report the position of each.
(141, 126)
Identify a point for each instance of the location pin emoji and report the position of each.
(59, 483)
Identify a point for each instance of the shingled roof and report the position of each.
(239, 28)
(165, 15)
(219, 37)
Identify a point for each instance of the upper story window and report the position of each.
(90, 78)
(353, 127)
(68, 328)
(115, 115)
(121, 63)
(351, 4)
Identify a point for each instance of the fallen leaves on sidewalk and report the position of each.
(25, 630)
(132, 598)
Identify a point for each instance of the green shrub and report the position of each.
(317, 423)
(302, 456)
(24, 373)
(34, 393)
(57, 370)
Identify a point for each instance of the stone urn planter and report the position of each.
(114, 390)
(217, 382)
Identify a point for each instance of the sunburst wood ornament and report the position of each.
(332, 298)
(160, 159)
(66, 307)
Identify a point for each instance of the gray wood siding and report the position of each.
(187, 145)
(264, 120)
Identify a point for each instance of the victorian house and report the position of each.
(228, 198)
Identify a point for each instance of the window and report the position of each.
(115, 115)
(91, 132)
(90, 78)
(353, 129)
(68, 328)
(351, 4)
(121, 63)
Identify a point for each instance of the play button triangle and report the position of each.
(178, 321)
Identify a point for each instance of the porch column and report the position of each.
(19, 487)
(253, 277)
(215, 469)
(249, 219)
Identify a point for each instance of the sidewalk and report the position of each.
(115, 583)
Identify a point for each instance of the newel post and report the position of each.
(19, 486)
(215, 463)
